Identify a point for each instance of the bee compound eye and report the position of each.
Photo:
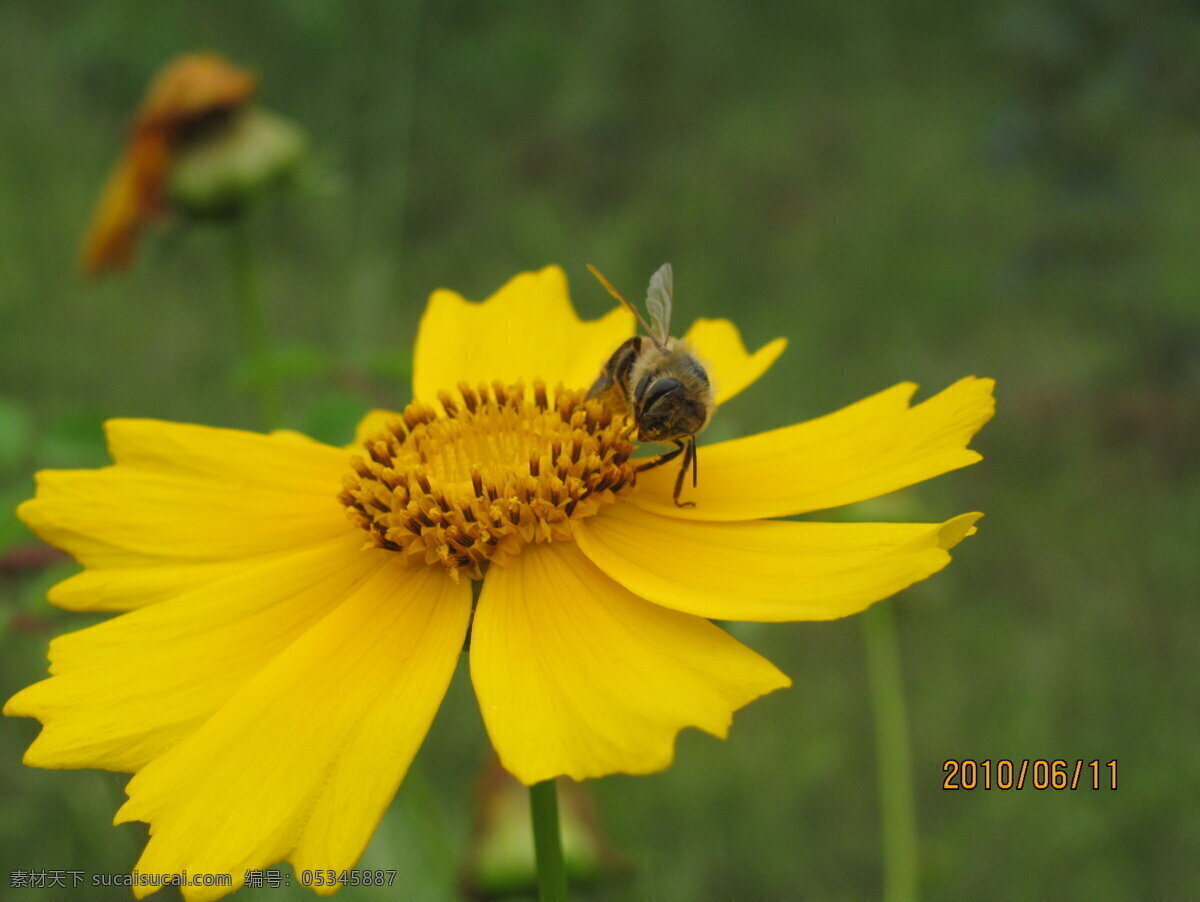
(660, 391)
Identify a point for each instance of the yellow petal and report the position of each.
(190, 500)
(730, 366)
(301, 763)
(283, 459)
(577, 676)
(765, 570)
(127, 588)
(870, 448)
(126, 690)
(527, 330)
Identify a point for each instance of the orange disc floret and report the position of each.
(494, 472)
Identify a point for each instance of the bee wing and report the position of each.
(651, 331)
(658, 302)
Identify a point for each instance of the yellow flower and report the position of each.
(285, 647)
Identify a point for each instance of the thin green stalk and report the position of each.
(899, 822)
(252, 318)
(547, 842)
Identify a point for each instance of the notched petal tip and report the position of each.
(125, 815)
(28, 511)
(732, 368)
(523, 293)
(972, 401)
(954, 531)
(16, 706)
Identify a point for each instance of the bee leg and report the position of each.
(689, 459)
(664, 458)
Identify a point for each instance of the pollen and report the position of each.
(493, 471)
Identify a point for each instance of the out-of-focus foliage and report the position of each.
(908, 191)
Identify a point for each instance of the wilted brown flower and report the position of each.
(187, 97)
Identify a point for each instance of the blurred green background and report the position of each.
(906, 190)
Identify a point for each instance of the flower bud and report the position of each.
(230, 161)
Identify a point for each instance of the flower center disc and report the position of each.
(493, 473)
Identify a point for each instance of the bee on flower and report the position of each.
(658, 382)
(289, 614)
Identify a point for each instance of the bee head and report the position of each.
(668, 409)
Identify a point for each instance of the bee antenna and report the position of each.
(695, 458)
(616, 294)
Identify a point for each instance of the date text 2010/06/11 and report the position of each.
(1039, 773)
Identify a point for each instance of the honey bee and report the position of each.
(658, 381)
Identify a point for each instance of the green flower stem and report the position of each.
(899, 825)
(252, 318)
(547, 842)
